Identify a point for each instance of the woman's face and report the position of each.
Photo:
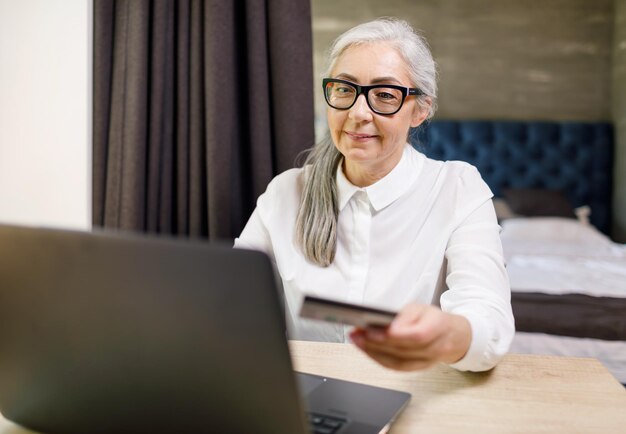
(368, 140)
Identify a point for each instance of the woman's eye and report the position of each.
(385, 95)
(344, 89)
(343, 92)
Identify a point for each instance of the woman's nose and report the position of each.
(360, 111)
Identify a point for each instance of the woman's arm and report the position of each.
(474, 327)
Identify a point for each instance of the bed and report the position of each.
(553, 185)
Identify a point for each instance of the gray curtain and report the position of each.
(197, 105)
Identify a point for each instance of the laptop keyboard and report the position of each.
(321, 424)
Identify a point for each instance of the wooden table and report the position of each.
(523, 394)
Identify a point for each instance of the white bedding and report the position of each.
(555, 256)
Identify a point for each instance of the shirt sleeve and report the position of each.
(270, 226)
(476, 277)
(255, 235)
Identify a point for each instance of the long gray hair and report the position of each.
(316, 225)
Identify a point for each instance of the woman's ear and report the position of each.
(420, 112)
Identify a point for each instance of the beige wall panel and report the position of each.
(499, 59)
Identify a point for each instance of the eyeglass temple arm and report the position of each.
(416, 91)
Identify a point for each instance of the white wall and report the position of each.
(45, 112)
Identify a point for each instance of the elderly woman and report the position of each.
(370, 220)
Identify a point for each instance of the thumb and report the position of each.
(407, 317)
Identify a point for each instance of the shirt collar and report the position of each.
(345, 189)
(386, 190)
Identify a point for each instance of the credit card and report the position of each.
(334, 311)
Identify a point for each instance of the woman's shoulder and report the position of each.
(283, 191)
(457, 182)
(454, 175)
(289, 180)
(464, 172)
(281, 198)
(468, 183)
(451, 169)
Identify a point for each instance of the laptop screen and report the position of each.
(112, 332)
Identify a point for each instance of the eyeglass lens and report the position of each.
(381, 99)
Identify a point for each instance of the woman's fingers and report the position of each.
(402, 349)
(398, 363)
(414, 328)
(419, 336)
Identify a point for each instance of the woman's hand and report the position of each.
(419, 336)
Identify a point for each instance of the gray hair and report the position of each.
(316, 225)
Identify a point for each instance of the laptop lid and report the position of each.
(112, 332)
(126, 333)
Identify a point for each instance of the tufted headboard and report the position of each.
(570, 156)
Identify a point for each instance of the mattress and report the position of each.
(568, 284)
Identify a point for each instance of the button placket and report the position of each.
(360, 257)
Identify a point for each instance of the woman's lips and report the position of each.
(359, 137)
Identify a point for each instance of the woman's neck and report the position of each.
(364, 175)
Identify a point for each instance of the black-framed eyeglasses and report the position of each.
(386, 99)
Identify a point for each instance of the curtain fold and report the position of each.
(197, 105)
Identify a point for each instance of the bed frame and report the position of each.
(574, 157)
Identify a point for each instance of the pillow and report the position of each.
(551, 229)
(536, 202)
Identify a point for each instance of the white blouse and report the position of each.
(425, 233)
